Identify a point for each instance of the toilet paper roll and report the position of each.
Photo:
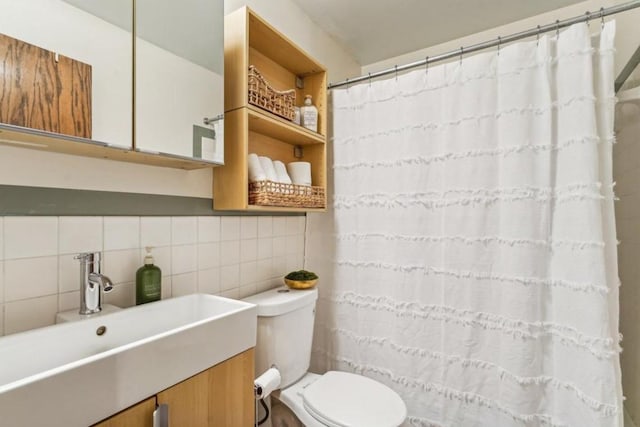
(269, 170)
(300, 172)
(281, 172)
(266, 383)
(256, 173)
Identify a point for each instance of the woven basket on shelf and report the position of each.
(269, 193)
(263, 95)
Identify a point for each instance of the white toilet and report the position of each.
(336, 399)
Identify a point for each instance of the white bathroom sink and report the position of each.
(68, 374)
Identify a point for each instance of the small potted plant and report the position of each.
(301, 279)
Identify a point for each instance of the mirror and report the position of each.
(179, 88)
(67, 68)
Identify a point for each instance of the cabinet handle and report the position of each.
(161, 416)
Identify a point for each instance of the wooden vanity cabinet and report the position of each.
(140, 415)
(221, 396)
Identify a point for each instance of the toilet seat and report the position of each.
(341, 399)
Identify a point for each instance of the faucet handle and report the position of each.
(88, 257)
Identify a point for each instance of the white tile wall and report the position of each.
(68, 273)
(122, 295)
(27, 237)
(184, 259)
(30, 277)
(208, 229)
(30, 313)
(121, 266)
(229, 228)
(184, 284)
(80, 234)
(209, 281)
(229, 252)
(265, 226)
(184, 230)
(208, 255)
(155, 231)
(121, 233)
(248, 227)
(229, 277)
(229, 256)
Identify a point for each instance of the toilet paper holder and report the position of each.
(266, 383)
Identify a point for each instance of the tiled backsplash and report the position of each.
(228, 256)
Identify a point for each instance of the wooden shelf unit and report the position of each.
(249, 40)
(16, 136)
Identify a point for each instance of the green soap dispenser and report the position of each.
(148, 280)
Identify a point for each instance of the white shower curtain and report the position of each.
(474, 269)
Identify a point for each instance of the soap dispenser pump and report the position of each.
(148, 280)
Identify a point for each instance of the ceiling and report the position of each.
(374, 30)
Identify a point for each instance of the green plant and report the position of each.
(301, 275)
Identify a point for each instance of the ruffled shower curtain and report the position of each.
(474, 269)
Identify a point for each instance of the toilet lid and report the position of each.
(341, 399)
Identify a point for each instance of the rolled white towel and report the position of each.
(256, 172)
(300, 172)
(269, 170)
(281, 172)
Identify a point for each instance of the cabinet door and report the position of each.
(179, 81)
(231, 400)
(67, 68)
(221, 396)
(187, 401)
(140, 415)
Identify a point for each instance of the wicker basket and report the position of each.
(261, 94)
(269, 193)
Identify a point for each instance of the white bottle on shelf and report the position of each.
(309, 114)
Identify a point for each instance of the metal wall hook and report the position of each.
(209, 121)
(602, 17)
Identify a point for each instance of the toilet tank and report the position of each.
(285, 331)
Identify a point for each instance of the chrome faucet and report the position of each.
(91, 283)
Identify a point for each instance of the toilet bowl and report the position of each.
(334, 399)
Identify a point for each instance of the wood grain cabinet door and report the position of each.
(140, 415)
(231, 398)
(40, 89)
(221, 396)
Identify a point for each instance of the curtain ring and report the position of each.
(499, 43)
(588, 15)
(347, 84)
(369, 79)
(538, 36)
(557, 28)
(426, 65)
(602, 17)
(396, 67)
(461, 52)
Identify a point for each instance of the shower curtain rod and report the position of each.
(493, 43)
